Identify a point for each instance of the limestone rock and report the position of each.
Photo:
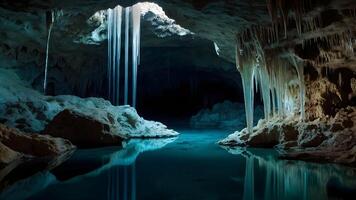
(311, 140)
(83, 130)
(8, 155)
(24, 108)
(16, 145)
(330, 139)
(33, 144)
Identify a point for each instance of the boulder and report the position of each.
(261, 137)
(8, 155)
(26, 109)
(288, 133)
(311, 140)
(83, 130)
(15, 144)
(264, 138)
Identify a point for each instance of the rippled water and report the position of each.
(191, 166)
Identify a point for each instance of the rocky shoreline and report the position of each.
(331, 139)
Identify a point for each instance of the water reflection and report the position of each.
(267, 177)
(191, 167)
(88, 174)
(122, 183)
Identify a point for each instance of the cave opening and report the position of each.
(176, 91)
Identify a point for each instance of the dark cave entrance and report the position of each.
(177, 94)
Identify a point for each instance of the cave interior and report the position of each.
(178, 99)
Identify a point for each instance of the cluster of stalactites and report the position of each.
(281, 11)
(280, 80)
(132, 16)
(341, 40)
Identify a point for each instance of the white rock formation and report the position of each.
(151, 14)
(24, 108)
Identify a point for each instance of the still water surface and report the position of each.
(191, 166)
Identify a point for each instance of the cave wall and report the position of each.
(74, 54)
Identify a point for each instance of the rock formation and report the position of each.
(18, 145)
(30, 111)
(329, 139)
(225, 115)
(300, 53)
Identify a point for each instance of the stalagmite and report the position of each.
(51, 22)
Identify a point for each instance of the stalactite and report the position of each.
(136, 21)
(300, 71)
(110, 15)
(263, 80)
(273, 73)
(217, 50)
(246, 61)
(326, 43)
(281, 11)
(114, 51)
(127, 38)
(50, 21)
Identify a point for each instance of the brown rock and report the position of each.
(287, 145)
(265, 139)
(82, 130)
(288, 133)
(33, 144)
(311, 140)
(8, 155)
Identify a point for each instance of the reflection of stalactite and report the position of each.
(133, 181)
(249, 183)
(113, 183)
(296, 180)
(122, 183)
(284, 183)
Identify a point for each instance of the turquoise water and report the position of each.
(191, 166)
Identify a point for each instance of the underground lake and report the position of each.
(191, 166)
(177, 99)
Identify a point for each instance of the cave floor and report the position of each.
(191, 166)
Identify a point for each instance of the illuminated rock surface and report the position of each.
(30, 111)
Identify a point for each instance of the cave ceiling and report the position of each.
(219, 21)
